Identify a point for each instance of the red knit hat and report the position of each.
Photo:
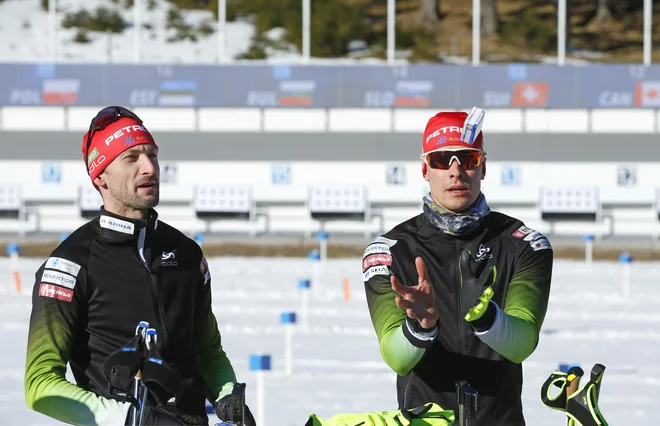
(108, 143)
(444, 131)
(453, 131)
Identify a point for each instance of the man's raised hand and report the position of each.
(418, 300)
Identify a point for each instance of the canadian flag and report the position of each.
(647, 94)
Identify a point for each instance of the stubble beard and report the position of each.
(130, 200)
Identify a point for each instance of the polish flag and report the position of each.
(60, 91)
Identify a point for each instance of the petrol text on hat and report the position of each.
(444, 130)
(120, 133)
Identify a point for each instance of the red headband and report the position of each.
(111, 141)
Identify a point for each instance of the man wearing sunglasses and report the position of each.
(458, 292)
(121, 268)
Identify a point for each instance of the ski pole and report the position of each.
(470, 405)
(140, 330)
(460, 400)
(151, 335)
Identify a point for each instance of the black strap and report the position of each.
(120, 369)
(163, 383)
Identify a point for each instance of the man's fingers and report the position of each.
(421, 270)
(403, 303)
(397, 287)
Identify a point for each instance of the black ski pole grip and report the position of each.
(461, 385)
(471, 403)
(239, 393)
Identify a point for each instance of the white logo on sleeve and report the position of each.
(63, 265)
(375, 270)
(58, 278)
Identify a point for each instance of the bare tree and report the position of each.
(429, 13)
(491, 18)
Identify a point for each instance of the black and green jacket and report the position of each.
(88, 298)
(487, 353)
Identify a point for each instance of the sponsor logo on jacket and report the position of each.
(483, 253)
(168, 258)
(375, 270)
(58, 278)
(63, 265)
(376, 259)
(537, 240)
(118, 225)
(55, 292)
(204, 269)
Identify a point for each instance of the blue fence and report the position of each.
(282, 86)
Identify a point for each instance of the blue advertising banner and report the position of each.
(419, 86)
(519, 86)
(346, 86)
(619, 86)
(279, 86)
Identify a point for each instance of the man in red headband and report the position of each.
(125, 301)
(458, 293)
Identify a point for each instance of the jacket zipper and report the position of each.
(160, 317)
(461, 322)
(162, 331)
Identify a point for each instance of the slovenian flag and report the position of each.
(413, 93)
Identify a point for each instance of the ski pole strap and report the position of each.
(414, 413)
(430, 414)
(562, 381)
(582, 406)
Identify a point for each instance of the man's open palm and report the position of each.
(419, 300)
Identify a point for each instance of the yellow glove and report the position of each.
(479, 309)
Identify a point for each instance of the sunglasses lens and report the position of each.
(442, 159)
(103, 118)
(109, 115)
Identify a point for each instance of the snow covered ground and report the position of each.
(336, 363)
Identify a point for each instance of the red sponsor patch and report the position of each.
(376, 259)
(521, 232)
(203, 267)
(55, 292)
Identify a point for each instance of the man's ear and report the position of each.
(100, 181)
(483, 171)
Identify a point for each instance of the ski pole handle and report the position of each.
(471, 405)
(460, 400)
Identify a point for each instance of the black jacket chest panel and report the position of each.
(489, 245)
(119, 282)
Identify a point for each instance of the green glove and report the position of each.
(476, 286)
(479, 309)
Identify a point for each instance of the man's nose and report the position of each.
(147, 165)
(455, 169)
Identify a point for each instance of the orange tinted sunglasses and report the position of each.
(467, 159)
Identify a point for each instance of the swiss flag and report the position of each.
(647, 94)
(530, 94)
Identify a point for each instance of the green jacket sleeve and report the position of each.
(214, 365)
(400, 348)
(515, 331)
(58, 300)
